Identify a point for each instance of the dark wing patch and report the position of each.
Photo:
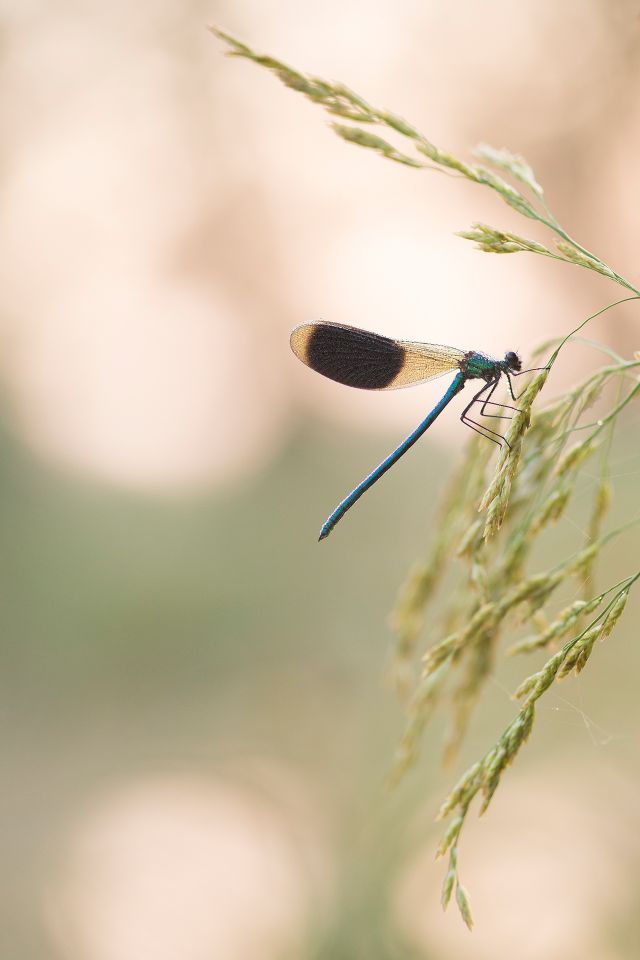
(349, 355)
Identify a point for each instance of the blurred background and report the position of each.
(195, 724)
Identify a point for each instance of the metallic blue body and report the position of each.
(455, 387)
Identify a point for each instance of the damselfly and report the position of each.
(370, 361)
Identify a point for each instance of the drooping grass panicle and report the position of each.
(340, 101)
(484, 776)
(542, 482)
(482, 579)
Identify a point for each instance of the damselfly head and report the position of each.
(512, 361)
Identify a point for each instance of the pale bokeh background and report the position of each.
(195, 728)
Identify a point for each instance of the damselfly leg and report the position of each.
(520, 373)
(480, 428)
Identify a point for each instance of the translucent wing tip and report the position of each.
(299, 339)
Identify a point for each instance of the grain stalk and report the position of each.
(488, 527)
